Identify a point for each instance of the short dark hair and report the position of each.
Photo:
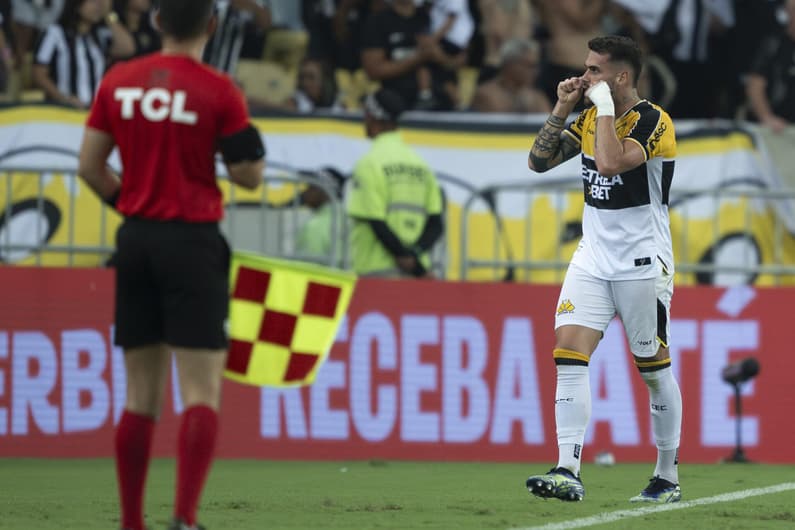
(385, 105)
(70, 16)
(620, 49)
(185, 19)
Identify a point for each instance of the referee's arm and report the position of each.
(247, 174)
(244, 156)
(93, 167)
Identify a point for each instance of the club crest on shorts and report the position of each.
(565, 307)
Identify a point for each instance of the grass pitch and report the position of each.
(244, 494)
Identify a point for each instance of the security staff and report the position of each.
(394, 200)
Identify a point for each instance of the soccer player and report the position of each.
(624, 263)
(168, 114)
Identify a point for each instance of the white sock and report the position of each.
(665, 402)
(572, 412)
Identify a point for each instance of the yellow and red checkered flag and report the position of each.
(283, 317)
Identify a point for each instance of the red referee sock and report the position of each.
(195, 447)
(133, 443)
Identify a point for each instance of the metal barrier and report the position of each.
(270, 227)
(69, 226)
(29, 223)
(51, 218)
(749, 235)
(506, 268)
(74, 228)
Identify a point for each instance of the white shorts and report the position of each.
(644, 307)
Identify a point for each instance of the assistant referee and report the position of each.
(169, 114)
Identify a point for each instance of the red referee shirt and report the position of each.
(166, 113)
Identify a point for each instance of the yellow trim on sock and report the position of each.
(649, 364)
(562, 353)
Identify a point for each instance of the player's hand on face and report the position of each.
(570, 90)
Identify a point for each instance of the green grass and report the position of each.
(245, 494)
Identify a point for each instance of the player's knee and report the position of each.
(580, 339)
(567, 356)
(144, 403)
(201, 392)
(659, 361)
(661, 354)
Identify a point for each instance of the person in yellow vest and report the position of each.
(320, 237)
(393, 199)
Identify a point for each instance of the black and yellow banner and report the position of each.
(48, 211)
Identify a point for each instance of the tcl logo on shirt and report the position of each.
(156, 104)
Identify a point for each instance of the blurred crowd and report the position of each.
(705, 58)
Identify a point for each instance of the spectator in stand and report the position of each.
(30, 19)
(136, 16)
(571, 25)
(647, 17)
(6, 58)
(632, 18)
(502, 20)
(624, 18)
(335, 29)
(316, 89)
(451, 28)
(684, 39)
(7, 20)
(770, 87)
(317, 17)
(396, 44)
(514, 88)
(71, 56)
(284, 13)
(755, 21)
(223, 50)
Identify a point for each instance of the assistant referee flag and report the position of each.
(283, 317)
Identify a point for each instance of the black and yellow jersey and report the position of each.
(626, 231)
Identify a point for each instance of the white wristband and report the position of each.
(600, 95)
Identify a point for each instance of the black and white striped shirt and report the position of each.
(76, 62)
(223, 49)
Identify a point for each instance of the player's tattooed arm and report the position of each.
(551, 147)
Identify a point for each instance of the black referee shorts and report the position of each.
(172, 284)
